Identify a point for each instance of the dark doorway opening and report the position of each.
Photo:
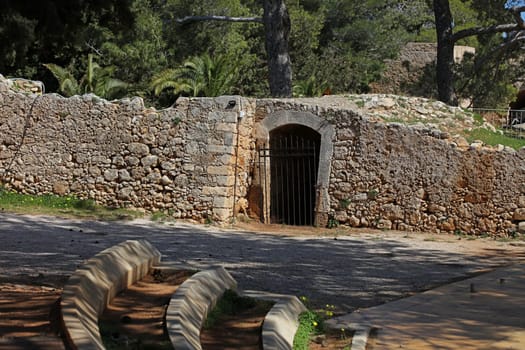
(293, 162)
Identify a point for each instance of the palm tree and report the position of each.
(67, 84)
(309, 87)
(96, 79)
(199, 76)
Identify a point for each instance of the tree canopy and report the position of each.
(333, 45)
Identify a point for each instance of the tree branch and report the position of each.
(516, 12)
(189, 19)
(518, 38)
(499, 28)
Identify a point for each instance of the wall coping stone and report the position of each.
(281, 322)
(191, 303)
(91, 288)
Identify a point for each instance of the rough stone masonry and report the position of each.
(198, 158)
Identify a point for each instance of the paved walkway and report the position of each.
(484, 312)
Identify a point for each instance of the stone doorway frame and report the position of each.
(327, 131)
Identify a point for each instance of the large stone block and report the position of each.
(111, 175)
(138, 149)
(221, 214)
(219, 170)
(149, 161)
(519, 214)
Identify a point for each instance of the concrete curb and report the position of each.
(361, 332)
(190, 304)
(281, 322)
(90, 289)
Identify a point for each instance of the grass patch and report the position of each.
(494, 138)
(231, 304)
(68, 206)
(159, 216)
(478, 119)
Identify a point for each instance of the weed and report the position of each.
(343, 333)
(176, 120)
(158, 216)
(360, 103)
(344, 203)
(458, 232)
(329, 311)
(332, 222)
(309, 323)
(62, 114)
(372, 194)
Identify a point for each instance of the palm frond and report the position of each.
(67, 83)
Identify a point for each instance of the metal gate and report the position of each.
(288, 174)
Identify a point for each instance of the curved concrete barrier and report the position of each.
(90, 289)
(281, 322)
(191, 303)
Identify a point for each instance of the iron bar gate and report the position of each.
(288, 174)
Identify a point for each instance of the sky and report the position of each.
(518, 3)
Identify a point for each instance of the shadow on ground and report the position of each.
(348, 272)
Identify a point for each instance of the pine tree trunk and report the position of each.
(445, 53)
(277, 30)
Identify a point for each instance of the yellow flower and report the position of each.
(314, 323)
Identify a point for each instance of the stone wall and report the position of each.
(405, 179)
(197, 160)
(415, 178)
(409, 73)
(121, 154)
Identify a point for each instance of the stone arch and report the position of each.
(326, 131)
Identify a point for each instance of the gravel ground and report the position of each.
(351, 270)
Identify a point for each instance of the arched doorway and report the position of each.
(294, 163)
(270, 132)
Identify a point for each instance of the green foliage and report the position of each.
(309, 88)
(465, 16)
(332, 223)
(344, 203)
(494, 138)
(10, 199)
(372, 194)
(96, 79)
(141, 51)
(199, 76)
(486, 79)
(67, 83)
(309, 323)
(58, 205)
(478, 118)
(337, 44)
(242, 43)
(16, 34)
(304, 43)
(358, 36)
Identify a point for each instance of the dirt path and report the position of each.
(239, 332)
(29, 317)
(136, 317)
